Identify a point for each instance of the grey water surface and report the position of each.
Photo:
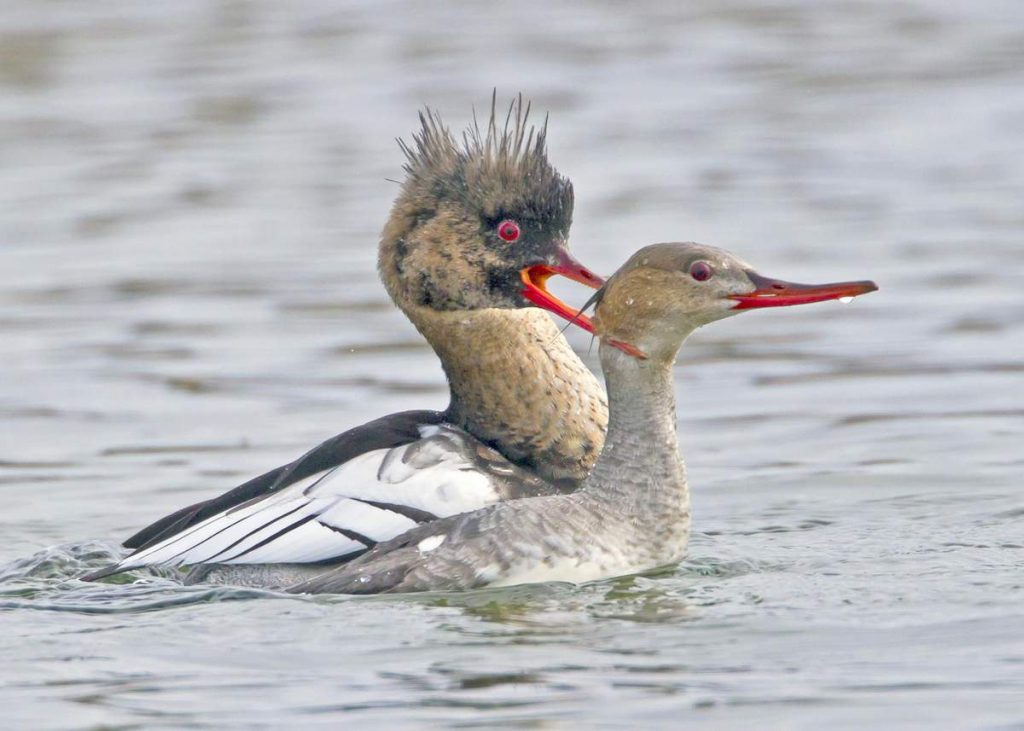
(190, 195)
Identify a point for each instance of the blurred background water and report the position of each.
(190, 195)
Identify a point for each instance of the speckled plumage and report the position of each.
(517, 385)
(515, 382)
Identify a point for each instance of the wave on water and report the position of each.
(49, 580)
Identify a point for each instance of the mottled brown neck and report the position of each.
(517, 385)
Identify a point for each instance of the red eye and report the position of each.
(508, 231)
(701, 271)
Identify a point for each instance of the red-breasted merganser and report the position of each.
(479, 226)
(632, 513)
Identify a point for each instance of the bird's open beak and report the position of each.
(777, 293)
(535, 290)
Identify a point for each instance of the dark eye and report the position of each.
(508, 231)
(701, 271)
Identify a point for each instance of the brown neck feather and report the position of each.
(517, 385)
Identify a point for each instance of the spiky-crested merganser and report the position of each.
(632, 513)
(479, 226)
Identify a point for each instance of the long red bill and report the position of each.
(535, 286)
(777, 293)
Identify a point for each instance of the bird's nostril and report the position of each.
(778, 286)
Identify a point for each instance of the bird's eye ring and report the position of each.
(701, 271)
(508, 231)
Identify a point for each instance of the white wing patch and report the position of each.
(372, 497)
(430, 543)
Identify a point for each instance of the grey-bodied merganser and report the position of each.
(632, 512)
(478, 227)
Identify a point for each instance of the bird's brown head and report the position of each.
(666, 291)
(481, 221)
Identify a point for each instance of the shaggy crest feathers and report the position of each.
(504, 167)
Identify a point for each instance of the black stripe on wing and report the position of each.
(385, 433)
(254, 531)
(273, 537)
(414, 514)
(351, 534)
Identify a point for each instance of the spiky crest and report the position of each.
(502, 167)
